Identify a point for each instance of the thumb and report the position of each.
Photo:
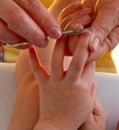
(103, 23)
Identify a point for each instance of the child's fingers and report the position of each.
(58, 58)
(79, 58)
(88, 74)
(39, 71)
(72, 42)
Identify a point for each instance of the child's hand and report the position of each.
(67, 98)
(98, 120)
(73, 17)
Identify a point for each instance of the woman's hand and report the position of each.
(103, 23)
(67, 98)
(98, 120)
(104, 26)
(26, 21)
(74, 17)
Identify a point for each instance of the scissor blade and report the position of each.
(78, 31)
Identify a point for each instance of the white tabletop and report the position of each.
(108, 85)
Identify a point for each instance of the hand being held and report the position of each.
(67, 98)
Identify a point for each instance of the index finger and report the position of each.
(21, 22)
(41, 16)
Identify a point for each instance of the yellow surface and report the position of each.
(10, 54)
(47, 3)
(106, 64)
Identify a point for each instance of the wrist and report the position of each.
(45, 125)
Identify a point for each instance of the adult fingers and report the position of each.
(108, 44)
(21, 22)
(39, 71)
(7, 36)
(100, 114)
(99, 109)
(79, 58)
(39, 14)
(100, 27)
(58, 58)
(69, 9)
(90, 4)
(80, 16)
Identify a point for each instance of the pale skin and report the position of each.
(71, 93)
(23, 86)
(54, 95)
(21, 110)
(98, 120)
(24, 108)
(21, 21)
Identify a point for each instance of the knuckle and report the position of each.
(103, 29)
(84, 89)
(78, 63)
(30, 4)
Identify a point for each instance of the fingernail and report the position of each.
(95, 42)
(55, 32)
(43, 43)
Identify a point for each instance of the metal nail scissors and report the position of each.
(78, 31)
(25, 45)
